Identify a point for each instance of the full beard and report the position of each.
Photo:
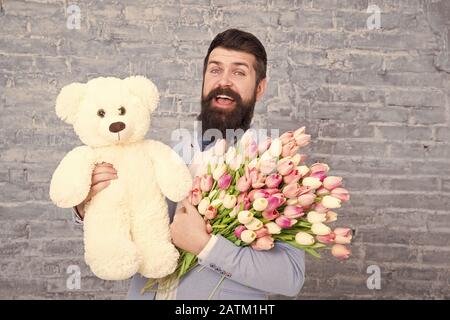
(237, 117)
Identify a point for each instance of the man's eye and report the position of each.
(101, 113)
(122, 111)
(215, 71)
(239, 73)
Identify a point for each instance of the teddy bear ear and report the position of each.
(144, 89)
(69, 100)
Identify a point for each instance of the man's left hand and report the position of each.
(188, 229)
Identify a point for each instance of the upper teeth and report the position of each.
(224, 97)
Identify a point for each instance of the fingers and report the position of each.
(102, 177)
(97, 188)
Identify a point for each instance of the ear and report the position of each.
(144, 89)
(261, 88)
(69, 100)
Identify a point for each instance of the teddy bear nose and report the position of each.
(116, 126)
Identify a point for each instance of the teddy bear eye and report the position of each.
(101, 113)
(122, 111)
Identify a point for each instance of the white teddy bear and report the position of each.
(126, 225)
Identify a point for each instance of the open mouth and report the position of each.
(224, 100)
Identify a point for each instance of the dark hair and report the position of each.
(239, 40)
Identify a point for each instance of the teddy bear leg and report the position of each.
(152, 236)
(109, 251)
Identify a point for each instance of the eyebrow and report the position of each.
(234, 63)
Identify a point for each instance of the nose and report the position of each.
(224, 81)
(116, 127)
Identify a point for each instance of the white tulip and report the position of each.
(312, 182)
(219, 171)
(254, 224)
(273, 228)
(275, 148)
(245, 216)
(303, 170)
(230, 155)
(260, 204)
(229, 201)
(203, 205)
(248, 236)
(331, 202)
(314, 217)
(320, 229)
(304, 239)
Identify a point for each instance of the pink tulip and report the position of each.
(274, 203)
(273, 180)
(340, 251)
(209, 228)
(251, 151)
(343, 235)
(206, 182)
(195, 196)
(292, 190)
(320, 208)
(281, 198)
(293, 177)
(327, 239)
(258, 193)
(238, 231)
(264, 145)
(224, 181)
(293, 212)
(322, 192)
(319, 174)
(341, 193)
(286, 137)
(263, 243)
(270, 215)
(285, 222)
(267, 166)
(305, 200)
(285, 167)
(262, 232)
(196, 183)
(211, 212)
(257, 179)
(319, 167)
(332, 182)
(243, 184)
(302, 140)
(289, 149)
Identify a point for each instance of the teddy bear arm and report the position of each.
(172, 174)
(71, 180)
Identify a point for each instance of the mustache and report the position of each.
(223, 91)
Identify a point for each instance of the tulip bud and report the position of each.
(305, 200)
(292, 202)
(340, 251)
(303, 170)
(203, 205)
(332, 182)
(275, 148)
(247, 138)
(286, 137)
(195, 196)
(285, 222)
(319, 167)
(206, 182)
(273, 228)
(243, 184)
(340, 193)
(291, 190)
(216, 203)
(312, 182)
(285, 166)
(304, 239)
(296, 159)
(322, 192)
(229, 201)
(327, 239)
(224, 181)
(260, 204)
(267, 166)
(331, 216)
(254, 224)
(238, 231)
(270, 215)
(264, 145)
(273, 181)
(314, 217)
(293, 177)
(245, 216)
(248, 236)
(233, 213)
(210, 213)
(293, 212)
(331, 202)
(302, 140)
(262, 232)
(320, 229)
(220, 147)
(219, 171)
(343, 235)
(299, 131)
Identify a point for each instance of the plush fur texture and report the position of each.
(126, 225)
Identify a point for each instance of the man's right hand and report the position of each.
(102, 175)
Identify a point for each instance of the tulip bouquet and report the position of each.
(254, 194)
